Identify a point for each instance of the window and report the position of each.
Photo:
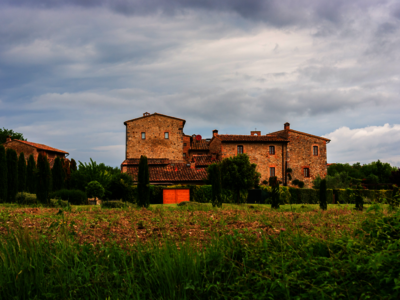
(306, 172)
(184, 154)
(272, 171)
(239, 149)
(143, 135)
(166, 135)
(315, 150)
(184, 144)
(272, 150)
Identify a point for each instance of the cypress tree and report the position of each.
(43, 176)
(73, 165)
(359, 199)
(143, 183)
(21, 173)
(274, 183)
(12, 175)
(3, 174)
(322, 195)
(58, 175)
(31, 175)
(216, 185)
(67, 172)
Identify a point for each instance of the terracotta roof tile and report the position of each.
(250, 138)
(41, 146)
(300, 132)
(200, 145)
(150, 161)
(203, 160)
(178, 172)
(156, 114)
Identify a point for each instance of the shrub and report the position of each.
(273, 182)
(203, 194)
(58, 175)
(95, 189)
(214, 177)
(359, 200)
(43, 181)
(75, 197)
(3, 174)
(12, 175)
(58, 203)
(26, 199)
(322, 195)
(120, 187)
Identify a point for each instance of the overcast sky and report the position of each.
(71, 72)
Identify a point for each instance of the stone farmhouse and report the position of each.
(29, 148)
(177, 158)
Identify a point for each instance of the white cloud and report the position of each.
(365, 144)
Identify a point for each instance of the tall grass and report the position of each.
(288, 266)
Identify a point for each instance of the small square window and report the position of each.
(306, 172)
(143, 135)
(184, 144)
(184, 154)
(315, 150)
(166, 135)
(272, 150)
(272, 171)
(239, 149)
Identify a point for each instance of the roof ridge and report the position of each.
(184, 121)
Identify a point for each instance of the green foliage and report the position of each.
(4, 133)
(298, 183)
(3, 174)
(12, 175)
(203, 194)
(43, 179)
(115, 204)
(358, 200)
(238, 174)
(31, 175)
(58, 175)
(75, 197)
(120, 187)
(322, 195)
(95, 190)
(394, 201)
(73, 165)
(214, 177)
(21, 173)
(143, 186)
(26, 199)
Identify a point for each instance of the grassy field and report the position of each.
(198, 252)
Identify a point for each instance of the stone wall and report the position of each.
(259, 155)
(20, 147)
(155, 145)
(300, 156)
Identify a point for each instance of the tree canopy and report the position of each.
(4, 133)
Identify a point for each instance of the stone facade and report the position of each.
(292, 149)
(154, 144)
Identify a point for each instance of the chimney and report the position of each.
(8, 139)
(215, 132)
(146, 114)
(257, 133)
(286, 126)
(193, 165)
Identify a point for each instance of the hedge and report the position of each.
(342, 196)
(75, 197)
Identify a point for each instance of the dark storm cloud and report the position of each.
(276, 12)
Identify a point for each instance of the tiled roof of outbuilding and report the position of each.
(203, 160)
(200, 145)
(40, 146)
(250, 138)
(150, 161)
(178, 172)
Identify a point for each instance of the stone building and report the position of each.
(175, 157)
(35, 149)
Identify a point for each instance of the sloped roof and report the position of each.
(156, 114)
(150, 161)
(203, 160)
(178, 172)
(250, 138)
(300, 132)
(200, 145)
(40, 146)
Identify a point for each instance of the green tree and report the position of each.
(31, 175)
(43, 179)
(120, 187)
(12, 175)
(238, 174)
(214, 178)
(359, 199)
(3, 174)
(21, 173)
(58, 175)
(73, 165)
(143, 186)
(275, 195)
(94, 190)
(4, 133)
(322, 195)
